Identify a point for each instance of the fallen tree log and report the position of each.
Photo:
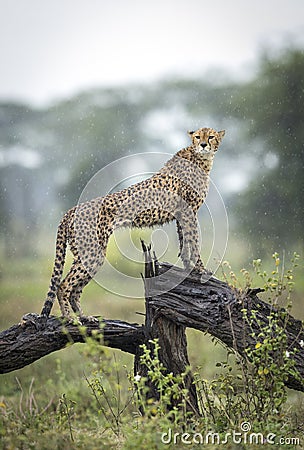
(172, 348)
(210, 305)
(34, 338)
(188, 300)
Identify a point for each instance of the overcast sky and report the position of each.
(53, 48)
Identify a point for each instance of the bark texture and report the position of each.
(171, 336)
(34, 338)
(174, 300)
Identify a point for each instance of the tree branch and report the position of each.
(34, 338)
(210, 305)
(207, 305)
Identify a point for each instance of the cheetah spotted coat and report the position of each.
(174, 193)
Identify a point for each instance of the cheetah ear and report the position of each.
(222, 134)
(190, 133)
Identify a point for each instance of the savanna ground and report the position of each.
(83, 397)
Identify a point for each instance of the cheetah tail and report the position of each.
(61, 245)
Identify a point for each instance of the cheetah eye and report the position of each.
(197, 137)
(211, 137)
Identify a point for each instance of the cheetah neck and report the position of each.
(203, 161)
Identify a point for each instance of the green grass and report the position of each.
(48, 405)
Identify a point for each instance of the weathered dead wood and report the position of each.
(171, 336)
(210, 305)
(186, 300)
(24, 343)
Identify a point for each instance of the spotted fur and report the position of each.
(174, 193)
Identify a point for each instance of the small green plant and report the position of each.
(253, 387)
(106, 386)
(155, 415)
(172, 393)
(28, 415)
(271, 361)
(66, 414)
(28, 411)
(279, 282)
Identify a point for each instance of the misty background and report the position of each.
(85, 83)
(88, 83)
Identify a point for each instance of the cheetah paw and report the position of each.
(200, 268)
(31, 320)
(90, 319)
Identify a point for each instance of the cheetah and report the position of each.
(175, 192)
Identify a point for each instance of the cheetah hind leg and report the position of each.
(77, 291)
(70, 290)
(75, 303)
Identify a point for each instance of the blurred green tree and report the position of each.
(75, 138)
(272, 208)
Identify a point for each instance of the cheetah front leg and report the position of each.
(187, 229)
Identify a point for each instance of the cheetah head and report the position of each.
(206, 141)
